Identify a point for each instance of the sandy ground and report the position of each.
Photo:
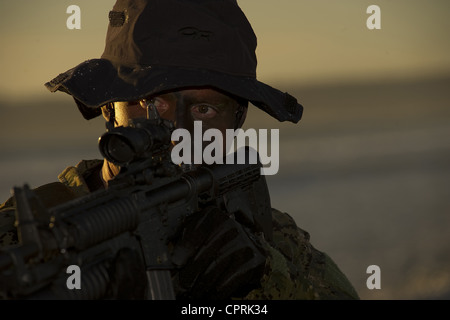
(366, 172)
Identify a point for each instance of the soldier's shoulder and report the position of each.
(71, 185)
(8, 234)
(315, 269)
(289, 238)
(49, 195)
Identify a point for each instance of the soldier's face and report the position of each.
(183, 107)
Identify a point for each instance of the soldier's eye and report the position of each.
(203, 111)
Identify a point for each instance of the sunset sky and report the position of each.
(301, 41)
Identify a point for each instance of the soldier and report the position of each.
(193, 61)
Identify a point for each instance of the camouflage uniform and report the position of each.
(294, 268)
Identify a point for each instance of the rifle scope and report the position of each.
(143, 138)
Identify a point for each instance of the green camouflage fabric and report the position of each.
(294, 268)
(71, 185)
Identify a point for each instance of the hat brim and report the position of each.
(97, 82)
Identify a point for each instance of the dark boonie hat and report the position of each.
(160, 45)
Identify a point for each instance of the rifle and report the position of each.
(142, 208)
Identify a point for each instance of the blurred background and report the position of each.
(366, 171)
